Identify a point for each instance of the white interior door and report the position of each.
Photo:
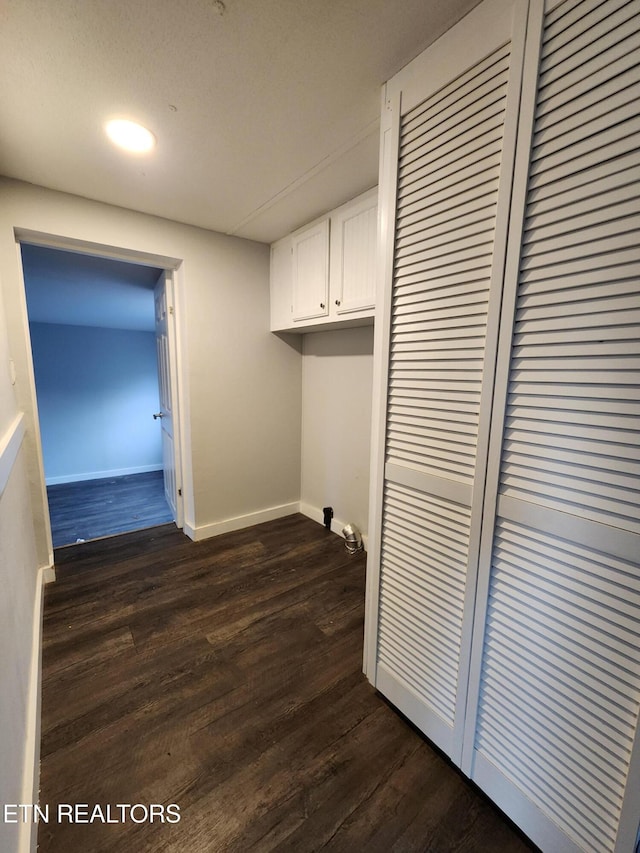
(554, 699)
(447, 167)
(506, 465)
(165, 348)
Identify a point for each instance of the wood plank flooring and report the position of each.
(225, 676)
(89, 509)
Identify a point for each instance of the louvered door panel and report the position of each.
(424, 562)
(561, 677)
(453, 184)
(434, 353)
(557, 705)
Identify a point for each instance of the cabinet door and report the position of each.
(448, 145)
(554, 696)
(311, 271)
(353, 255)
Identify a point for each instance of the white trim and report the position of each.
(346, 321)
(187, 507)
(10, 444)
(166, 362)
(518, 36)
(315, 514)
(438, 730)
(205, 531)
(440, 487)
(102, 475)
(620, 543)
(464, 734)
(503, 364)
(71, 244)
(629, 823)
(172, 265)
(524, 813)
(389, 142)
(33, 441)
(48, 574)
(172, 339)
(27, 840)
(439, 63)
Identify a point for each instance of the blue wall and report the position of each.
(97, 391)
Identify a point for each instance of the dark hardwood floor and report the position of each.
(89, 509)
(225, 676)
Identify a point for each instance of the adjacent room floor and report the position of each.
(224, 677)
(90, 509)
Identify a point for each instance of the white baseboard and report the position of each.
(205, 531)
(48, 574)
(102, 475)
(31, 773)
(315, 514)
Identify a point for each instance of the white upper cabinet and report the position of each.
(353, 255)
(310, 279)
(323, 275)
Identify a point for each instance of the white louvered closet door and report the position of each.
(552, 731)
(448, 159)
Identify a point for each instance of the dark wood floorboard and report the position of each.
(225, 676)
(90, 509)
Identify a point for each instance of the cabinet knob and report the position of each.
(337, 302)
(322, 304)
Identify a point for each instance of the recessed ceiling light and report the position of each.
(130, 135)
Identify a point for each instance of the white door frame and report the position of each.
(171, 326)
(173, 268)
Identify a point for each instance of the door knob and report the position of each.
(158, 415)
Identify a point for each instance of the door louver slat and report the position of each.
(562, 88)
(564, 15)
(566, 38)
(445, 101)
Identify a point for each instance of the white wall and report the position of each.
(336, 424)
(242, 383)
(19, 606)
(97, 392)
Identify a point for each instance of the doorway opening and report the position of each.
(99, 382)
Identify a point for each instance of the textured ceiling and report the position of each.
(265, 111)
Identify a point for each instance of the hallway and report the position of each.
(224, 677)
